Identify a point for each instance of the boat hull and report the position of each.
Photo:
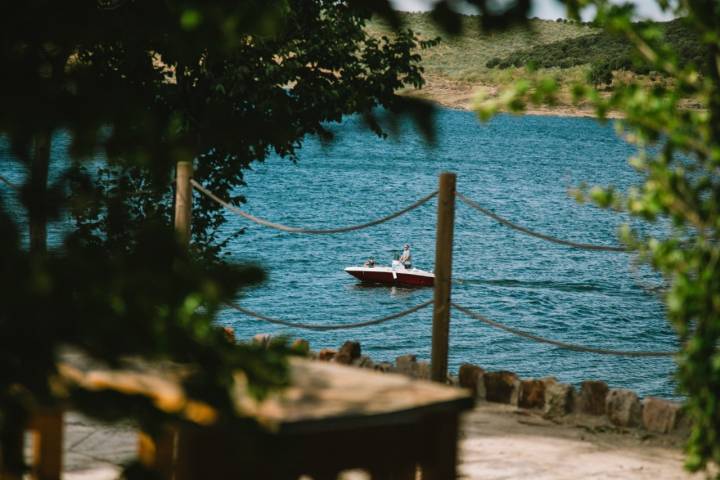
(388, 276)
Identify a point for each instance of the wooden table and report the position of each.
(331, 419)
(335, 418)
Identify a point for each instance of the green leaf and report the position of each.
(190, 19)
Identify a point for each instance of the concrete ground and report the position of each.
(498, 442)
(94, 451)
(503, 442)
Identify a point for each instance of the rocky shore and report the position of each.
(554, 400)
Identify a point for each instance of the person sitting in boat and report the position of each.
(405, 257)
(370, 262)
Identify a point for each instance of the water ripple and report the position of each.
(519, 167)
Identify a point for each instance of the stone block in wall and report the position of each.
(384, 367)
(229, 333)
(501, 387)
(558, 398)
(326, 354)
(422, 371)
(660, 415)
(405, 364)
(262, 339)
(363, 362)
(623, 408)
(591, 398)
(531, 394)
(409, 366)
(348, 352)
(683, 423)
(472, 377)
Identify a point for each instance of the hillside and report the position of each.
(463, 58)
(459, 67)
(601, 48)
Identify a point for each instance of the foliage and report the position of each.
(276, 90)
(604, 50)
(678, 158)
(148, 84)
(601, 73)
(462, 57)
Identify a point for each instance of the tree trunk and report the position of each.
(38, 182)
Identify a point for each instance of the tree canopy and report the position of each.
(263, 97)
(142, 86)
(678, 154)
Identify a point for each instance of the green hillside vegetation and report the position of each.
(603, 51)
(567, 51)
(463, 58)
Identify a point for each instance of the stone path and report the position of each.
(498, 442)
(94, 451)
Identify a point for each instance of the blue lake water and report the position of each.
(520, 167)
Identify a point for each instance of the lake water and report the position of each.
(521, 168)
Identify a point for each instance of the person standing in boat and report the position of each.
(405, 257)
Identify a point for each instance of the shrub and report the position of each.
(493, 62)
(600, 74)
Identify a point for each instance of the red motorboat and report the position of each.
(396, 274)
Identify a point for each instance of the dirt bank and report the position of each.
(461, 96)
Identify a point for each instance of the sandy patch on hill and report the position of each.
(461, 96)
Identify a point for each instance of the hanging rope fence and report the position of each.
(658, 290)
(566, 346)
(285, 228)
(315, 326)
(9, 183)
(466, 311)
(532, 233)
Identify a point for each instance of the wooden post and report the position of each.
(12, 446)
(440, 460)
(158, 453)
(37, 213)
(443, 271)
(47, 425)
(183, 201)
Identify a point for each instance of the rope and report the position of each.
(311, 326)
(110, 4)
(567, 346)
(657, 290)
(9, 183)
(285, 228)
(508, 223)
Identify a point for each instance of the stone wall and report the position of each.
(620, 407)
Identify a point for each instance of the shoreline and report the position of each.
(462, 97)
